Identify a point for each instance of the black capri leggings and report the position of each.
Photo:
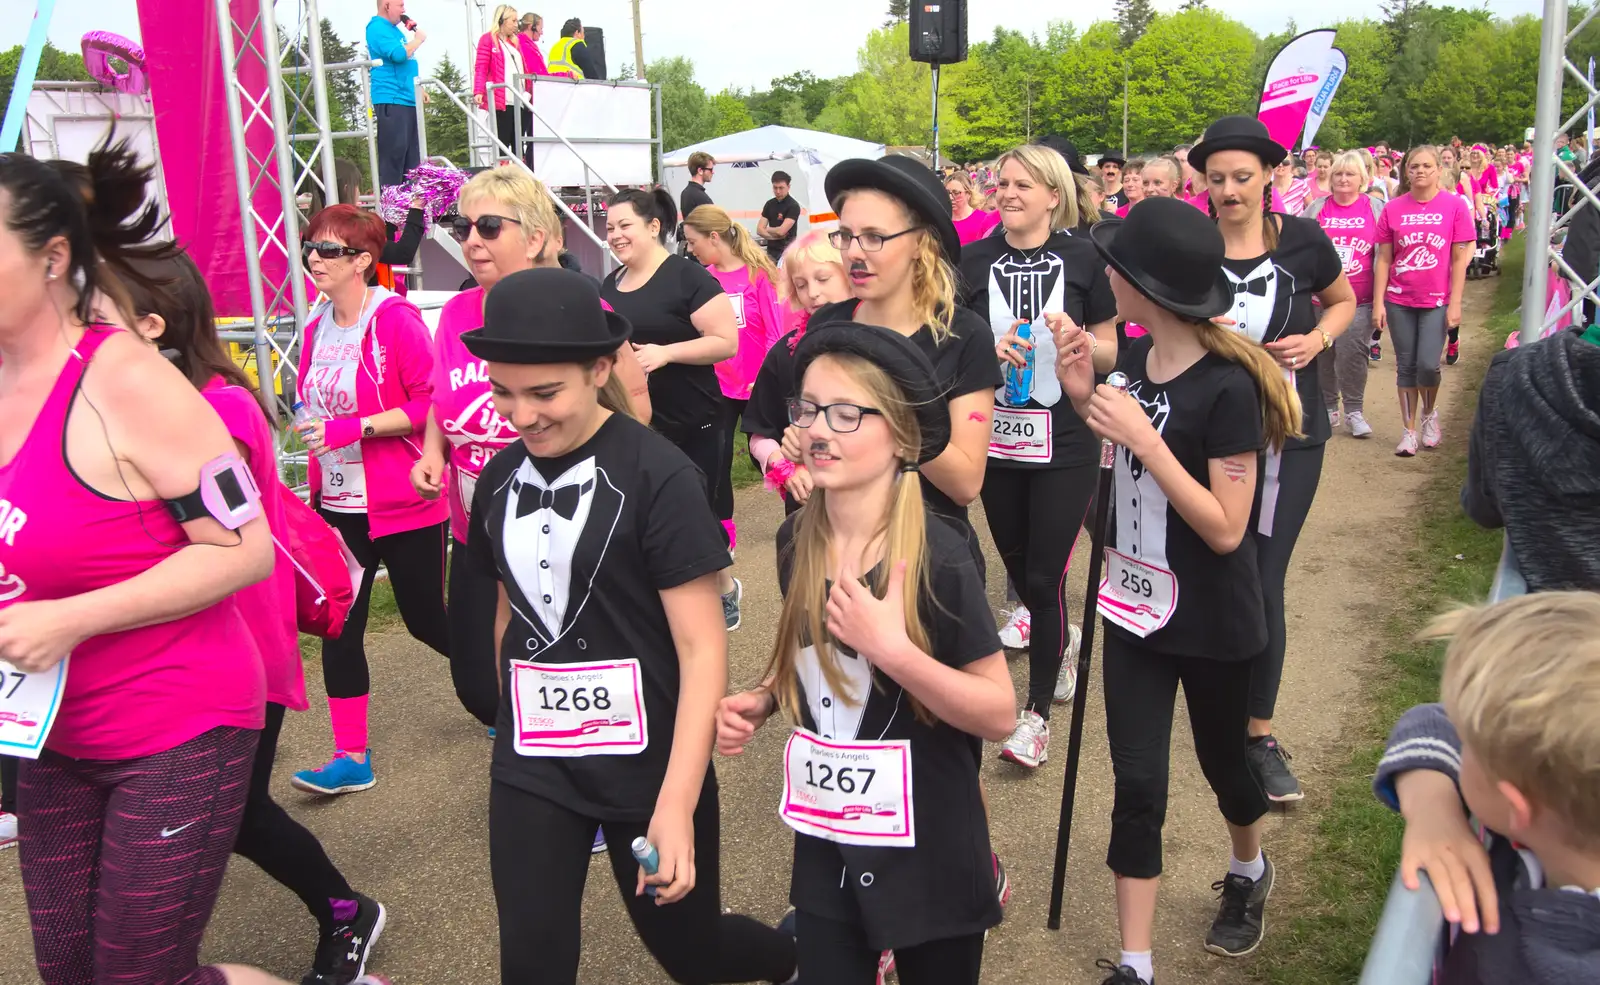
(1141, 692)
(722, 498)
(279, 844)
(1285, 503)
(838, 953)
(703, 445)
(1034, 517)
(415, 559)
(474, 662)
(539, 861)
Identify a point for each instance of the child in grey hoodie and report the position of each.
(1500, 788)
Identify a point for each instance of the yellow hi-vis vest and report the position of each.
(560, 61)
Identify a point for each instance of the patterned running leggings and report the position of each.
(122, 860)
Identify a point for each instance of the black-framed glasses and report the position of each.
(842, 418)
(870, 242)
(488, 226)
(327, 251)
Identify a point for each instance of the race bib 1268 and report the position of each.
(588, 709)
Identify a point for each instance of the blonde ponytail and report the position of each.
(712, 220)
(1280, 402)
(933, 286)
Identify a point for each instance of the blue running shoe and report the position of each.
(341, 774)
(599, 847)
(491, 731)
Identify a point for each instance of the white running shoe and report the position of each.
(1018, 630)
(1359, 428)
(1029, 744)
(1431, 435)
(8, 829)
(1408, 444)
(1067, 680)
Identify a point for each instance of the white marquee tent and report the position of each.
(745, 163)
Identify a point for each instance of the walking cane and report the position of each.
(1097, 542)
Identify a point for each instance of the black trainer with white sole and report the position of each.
(1241, 918)
(342, 954)
(1269, 762)
(1120, 974)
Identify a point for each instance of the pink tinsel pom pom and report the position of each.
(436, 184)
(778, 474)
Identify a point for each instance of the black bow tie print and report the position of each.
(562, 499)
(1258, 287)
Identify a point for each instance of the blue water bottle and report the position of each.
(649, 860)
(1019, 382)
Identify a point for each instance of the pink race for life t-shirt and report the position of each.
(269, 606)
(976, 225)
(1422, 235)
(1354, 233)
(463, 405)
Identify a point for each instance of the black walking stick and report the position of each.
(1097, 543)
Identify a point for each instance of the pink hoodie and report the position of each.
(396, 366)
(761, 323)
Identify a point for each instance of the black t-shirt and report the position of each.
(584, 544)
(1272, 299)
(1116, 200)
(692, 197)
(944, 886)
(683, 398)
(964, 363)
(1210, 410)
(1002, 284)
(776, 211)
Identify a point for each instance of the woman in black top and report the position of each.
(1181, 599)
(612, 654)
(683, 323)
(888, 663)
(1042, 460)
(1276, 264)
(899, 246)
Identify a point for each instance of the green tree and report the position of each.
(899, 12)
(1081, 97)
(1353, 116)
(1483, 85)
(1184, 73)
(446, 123)
(55, 65)
(888, 100)
(1133, 19)
(994, 96)
(733, 116)
(687, 116)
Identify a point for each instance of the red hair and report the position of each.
(358, 228)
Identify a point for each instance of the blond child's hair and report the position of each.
(1522, 688)
(813, 247)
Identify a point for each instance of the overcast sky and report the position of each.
(733, 43)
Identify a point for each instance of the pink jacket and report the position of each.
(760, 323)
(396, 372)
(532, 57)
(491, 67)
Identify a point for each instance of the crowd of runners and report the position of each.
(546, 482)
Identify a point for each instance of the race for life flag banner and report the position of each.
(1293, 80)
(1337, 67)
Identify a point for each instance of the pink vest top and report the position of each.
(133, 693)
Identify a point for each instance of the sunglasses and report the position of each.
(328, 251)
(488, 226)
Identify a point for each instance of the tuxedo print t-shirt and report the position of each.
(683, 398)
(1273, 298)
(964, 363)
(1210, 410)
(1003, 284)
(944, 886)
(583, 545)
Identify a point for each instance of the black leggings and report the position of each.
(505, 126)
(473, 660)
(415, 559)
(1284, 506)
(279, 844)
(1141, 692)
(703, 445)
(722, 496)
(8, 784)
(838, 953)
(1034, 517)
(539, 860)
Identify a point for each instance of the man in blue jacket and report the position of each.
(394, 101)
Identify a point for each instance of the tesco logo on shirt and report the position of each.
(1347, 222)
(1422, 219)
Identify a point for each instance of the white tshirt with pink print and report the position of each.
(1422, 235)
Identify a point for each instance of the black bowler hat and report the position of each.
(1237, 133)
(548, 315)
(908, 180)
(1112, 157)
(1066, 148)
(1172, 252)
(897, 356)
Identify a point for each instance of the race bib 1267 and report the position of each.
(853, 792)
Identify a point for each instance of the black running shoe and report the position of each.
(1452, 353)
(342, 955)
(1240, 924)
(1269, 761)
(1120, 974)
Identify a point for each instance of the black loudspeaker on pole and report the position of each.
(595, 38)
(939, 31)
(1091, 599)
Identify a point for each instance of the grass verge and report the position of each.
(1355, 848)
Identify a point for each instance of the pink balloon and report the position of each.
(99, 47)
